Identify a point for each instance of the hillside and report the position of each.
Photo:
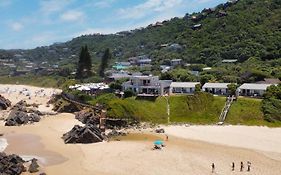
(243, 30)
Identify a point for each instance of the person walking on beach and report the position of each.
(167, 138)
(233, 166)
(213, 167)
(242, 166)
(249, 166)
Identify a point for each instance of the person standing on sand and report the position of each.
(249, 166)
(242, 166)
(233, 166)
(213, 167)
(167, 138)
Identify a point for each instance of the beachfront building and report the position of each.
(252, 89)
(183, 87)
(91, 88)
(216, 88)
(147, 85)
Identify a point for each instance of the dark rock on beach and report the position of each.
(33, 167)
(87, 117)
(83, 134)
(21, 115)
(11, 164)
(4, 103)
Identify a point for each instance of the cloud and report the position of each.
(16, 26)
(51, 6)
(5, 3)
(72, 15)
(148, 7)
(103, 3)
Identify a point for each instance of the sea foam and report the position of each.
(3, 144)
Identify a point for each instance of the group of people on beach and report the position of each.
(249, 164)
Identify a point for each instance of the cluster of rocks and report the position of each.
(15, 165)
(87, 116)
(83, 134)
(4, 103)
(21, 114)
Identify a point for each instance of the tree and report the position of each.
(232, 88)
(198, 88)
(104, 62)
(84, 64)
(271, 104)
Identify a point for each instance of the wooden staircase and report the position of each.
(225, 110)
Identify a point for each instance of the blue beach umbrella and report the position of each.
(158, 142)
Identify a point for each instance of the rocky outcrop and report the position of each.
(87, 117)
(20, 115)
(11, 164)
(4, 103)
(83, 134)
(33, 167)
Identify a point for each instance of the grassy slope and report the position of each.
(247, 111)
(192, 109)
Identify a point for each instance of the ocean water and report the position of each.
(3, 144)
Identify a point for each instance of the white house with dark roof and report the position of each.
(183, 87)
(252, 89)
(216, 88)
(147, 85)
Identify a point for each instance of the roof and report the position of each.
(254, 86)
(230, 61)
(184, 84)
(216, 85)
(175, 60)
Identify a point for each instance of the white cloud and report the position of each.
(16, 26)
(72, 15)
(148, 7)
(51, 6)
(103, 3)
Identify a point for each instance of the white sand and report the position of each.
(251, 137)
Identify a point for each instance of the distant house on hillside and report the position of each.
(147, 85)
(183, 87)
(269, 81)
(229, 61)
(197, 26)
(252, 89)
(176, 62)
(216, 88)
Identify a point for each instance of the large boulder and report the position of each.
(21, 115)
(33, 167)
(17, 118)
(11, 164)
(83, 134)
(87, 117)
(4, 103)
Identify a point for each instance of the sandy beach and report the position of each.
(189, 150)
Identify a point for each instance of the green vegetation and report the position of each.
(104, 62)
(247, 111)
(271, 104)
(84, 68)
(201, 108)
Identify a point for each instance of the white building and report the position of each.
(147, 85)
(183, 87)
(252, 89)
(216, 88)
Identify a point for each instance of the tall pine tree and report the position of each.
(84, 64)
(104, 62)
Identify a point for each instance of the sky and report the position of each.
(26, 24)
